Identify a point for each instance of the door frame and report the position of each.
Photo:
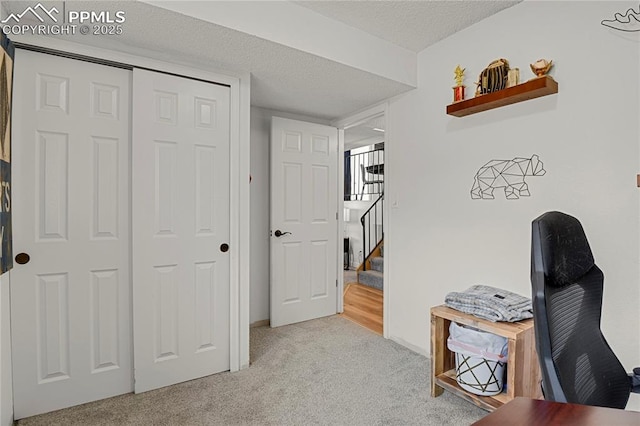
(342, 125)
(239, 84)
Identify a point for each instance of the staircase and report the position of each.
(370, 271)
(373, 277)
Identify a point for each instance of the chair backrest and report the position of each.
(576, 362)
(363, 174)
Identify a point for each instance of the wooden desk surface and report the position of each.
(533, 412)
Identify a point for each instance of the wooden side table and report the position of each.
(523, 371)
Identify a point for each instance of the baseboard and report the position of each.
(410, 346)
(260, 323)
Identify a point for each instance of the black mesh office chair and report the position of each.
(576, 362)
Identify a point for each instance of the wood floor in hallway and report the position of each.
(363, 305)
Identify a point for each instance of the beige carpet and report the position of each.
(322, 372)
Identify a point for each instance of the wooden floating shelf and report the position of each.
(531, 89)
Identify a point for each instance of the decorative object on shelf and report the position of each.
(493, 77)
(513, 78)
(458, 89)
(541, 67)
(507, 174)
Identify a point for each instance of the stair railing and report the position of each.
(371, 221)
(359, 185)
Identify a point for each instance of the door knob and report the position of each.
(279, 233)
(22, 258)
(224, 247)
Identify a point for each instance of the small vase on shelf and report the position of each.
(541, 67)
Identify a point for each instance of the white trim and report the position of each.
(234, 232)
(261, 323)
(410, 346)
(386, 304)
(239, 171)
(184, 68)
(244, 219)
(361, 117)
(346, 123)
(364, 142)
(340, 182)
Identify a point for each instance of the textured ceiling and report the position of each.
(284, 78)
(413, 25)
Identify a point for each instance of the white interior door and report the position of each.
(304, 207)
(180, 224)
(70, 304)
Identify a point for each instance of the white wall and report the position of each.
(260, 208)
(440, 240)
(353, 229)
(259, 217)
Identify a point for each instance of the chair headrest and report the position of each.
(565, 250)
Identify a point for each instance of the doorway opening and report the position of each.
(363, 222)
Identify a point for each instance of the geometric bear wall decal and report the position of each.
(507, 174)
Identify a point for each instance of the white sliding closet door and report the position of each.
(180, 229)
(70, 304)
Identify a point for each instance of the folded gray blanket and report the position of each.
(491, 303)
